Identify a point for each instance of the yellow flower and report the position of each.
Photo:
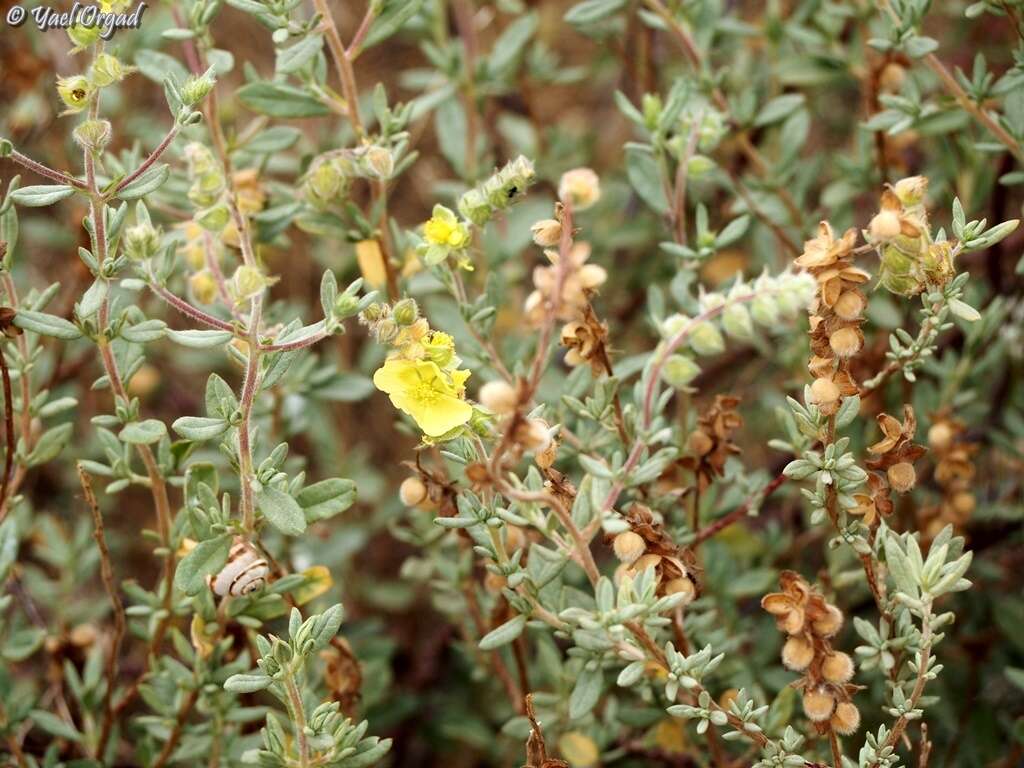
(420, 389)
(444, 229)
(113, 6)
(75, 92)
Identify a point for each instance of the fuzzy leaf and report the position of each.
(281, 510)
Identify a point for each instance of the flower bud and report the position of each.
(547, 232)
(324, 183)
(499, 397)
(765, 311)
(797, 654)
(248, 282)
(379, 162)
(93, 135)
(698, 165)
(107, 70)
(83, 36)
(679, 370)
(405, 312)
(673, 324)
(213, 219)
(412, 491)
(706, 339)
(580, 187)
(141, 242)
(911, 190)
(846, 719)
(819, 704)
(736, 322)
(203, 287)
(837, 668)
(902, 476)
(75, 91)
(197, 88)
(628, 546)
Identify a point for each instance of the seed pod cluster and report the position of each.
(836, 315)
(710, 444)
(810, 623)
(896, 452)
(647, 545)
(954, 474)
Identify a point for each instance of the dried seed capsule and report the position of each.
(412, 491)
(245, 571)
(837, 668)
(628, 546)
(830, 623)
(846, 719)
(819, 704)
(498, 396)
(683, 586)
(902, 476)
(797, 654)
(849, 306)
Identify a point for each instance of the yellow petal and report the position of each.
(395, 375)
(442, 416)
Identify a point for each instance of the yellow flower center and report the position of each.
(425, 394)
(438, 231)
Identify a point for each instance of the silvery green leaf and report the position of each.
(585, 693)
(46, 325)
(151, 180)
(249, 683)
(40, 195)
(200, 339)
(144, 332)
(326, 498)
(203, 559)
(296, 56)
(143, 432)
(964, 311)
(900, 566)
(199, 428)
(281, 510)
(504, 634)
(631, 674)
(591, 11)
(848, 411)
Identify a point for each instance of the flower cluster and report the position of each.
(507, 185)
(836, 315)
(78, 91)
(767, 301)
(421, 375)
(810, 623)
(910, 261)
